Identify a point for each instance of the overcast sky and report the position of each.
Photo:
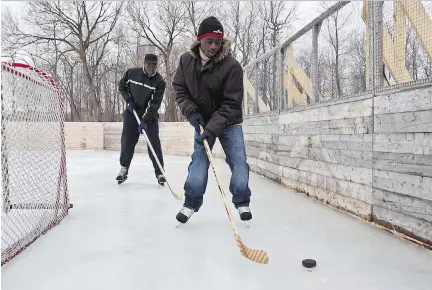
(14, 6)
(307, 10)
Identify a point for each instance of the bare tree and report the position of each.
(338, 39)
(161, 28)
(358, 63)
(277, 18)
(82, 28)
(196, 12)
(234, 25)
(87, 46)
(248, 33)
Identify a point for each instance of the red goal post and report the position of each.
(33, 157)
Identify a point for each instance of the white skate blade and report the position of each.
(247, 223)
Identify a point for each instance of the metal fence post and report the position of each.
(245, 94)
(282, 75)
(369, 45)
(257, 86)
(315, 63)
(377, 47)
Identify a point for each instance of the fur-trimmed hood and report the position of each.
(223, 53)
(214, 90)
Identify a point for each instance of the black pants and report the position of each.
(129, 139)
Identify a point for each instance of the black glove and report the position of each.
(195, 119)
(207, 135)
(142, 126)
(131, 105)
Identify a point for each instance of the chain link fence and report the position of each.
(353, 48)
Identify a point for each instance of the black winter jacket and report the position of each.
(215, 90)
(146, 91)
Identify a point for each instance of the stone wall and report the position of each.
(369, 155)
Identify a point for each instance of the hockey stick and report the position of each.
(175, 194)
(259, 256)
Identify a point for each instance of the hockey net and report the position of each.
(34, 184)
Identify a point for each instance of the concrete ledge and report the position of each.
(84, 135)
(418, 229)
(176, 138)
(350, 205)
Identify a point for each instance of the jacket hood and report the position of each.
(223, 53)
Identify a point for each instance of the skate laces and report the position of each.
(123, 170)
(187, 211)
(243, 209)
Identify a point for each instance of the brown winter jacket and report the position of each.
(215, 90)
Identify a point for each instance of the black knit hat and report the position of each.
(150, 57)
(210, 27)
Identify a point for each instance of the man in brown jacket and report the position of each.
(209, 91)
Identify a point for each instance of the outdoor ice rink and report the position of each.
(124, 237)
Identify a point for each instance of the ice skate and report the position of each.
(122, 176)
(245, 214)
(184, 215)
(161, 179)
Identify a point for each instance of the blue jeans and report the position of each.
(196, 183)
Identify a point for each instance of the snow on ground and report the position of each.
(124, 237)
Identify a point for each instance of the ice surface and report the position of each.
(124, 237)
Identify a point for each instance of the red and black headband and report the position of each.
(210, 27)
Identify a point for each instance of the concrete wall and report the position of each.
(402, 179)
(324, 151)
(370, 156)
(84, 136)
(176, 138)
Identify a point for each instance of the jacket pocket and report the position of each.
(213, 86)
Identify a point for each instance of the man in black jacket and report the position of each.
(142, 88)
(209, 91)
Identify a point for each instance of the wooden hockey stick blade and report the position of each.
(259, 256)
(256, 255)
(176, 195)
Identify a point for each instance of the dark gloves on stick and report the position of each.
(195, 119)
(207, 135)
(131, 105)
(142, 126)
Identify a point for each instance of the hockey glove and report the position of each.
(142, 126)
(131, 105)
(195, 119)
(207, 135)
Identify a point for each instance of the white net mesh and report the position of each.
(34, 184)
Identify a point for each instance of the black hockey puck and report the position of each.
(309, 263)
